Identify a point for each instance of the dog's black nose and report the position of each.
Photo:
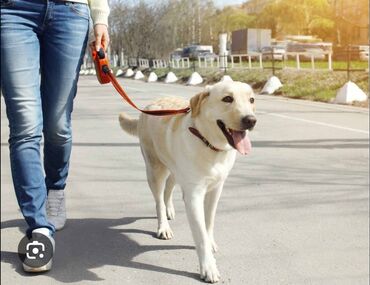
(248, 122)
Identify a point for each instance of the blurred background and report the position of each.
(155, 28)
(327, 41)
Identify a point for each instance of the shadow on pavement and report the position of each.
(307, 143)
(86, 244)
(315, 144)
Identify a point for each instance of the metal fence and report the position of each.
(249, 61)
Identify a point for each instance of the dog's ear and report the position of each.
(196, 103)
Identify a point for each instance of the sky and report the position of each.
(221, 3)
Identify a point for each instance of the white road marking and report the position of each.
(317, 123)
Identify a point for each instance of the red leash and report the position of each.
(105, 75)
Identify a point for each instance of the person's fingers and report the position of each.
(98, 41)
(101, 36)
(105, 40)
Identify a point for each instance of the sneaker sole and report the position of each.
(44, 268)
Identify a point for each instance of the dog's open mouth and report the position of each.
(237, 139)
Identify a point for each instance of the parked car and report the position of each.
(364, 55)
(273, 52)
(207, 55)
(176, 54)
(194, 51)
(317, 50)
(356, 52)
(363, 52)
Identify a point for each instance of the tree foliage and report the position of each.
(306, 17)
(155, 30)
(142, 29)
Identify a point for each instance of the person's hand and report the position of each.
(101, 37)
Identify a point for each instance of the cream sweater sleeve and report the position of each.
(99, 11)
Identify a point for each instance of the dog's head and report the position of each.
(229, 108)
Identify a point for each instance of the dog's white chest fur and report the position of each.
(186, 156)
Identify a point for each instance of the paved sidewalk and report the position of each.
(295, 211)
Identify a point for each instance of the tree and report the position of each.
(155, 30)
(309, 17)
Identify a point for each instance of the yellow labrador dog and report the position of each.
(196, 151)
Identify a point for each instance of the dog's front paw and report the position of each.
(170, 212)
(165, 232)
(209, 273)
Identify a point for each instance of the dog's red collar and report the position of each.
(196, 133)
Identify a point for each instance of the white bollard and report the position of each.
(170, 78)
(129, 73)
(271, 85)
(195, 79)
(119, 72)
(226, 78)
(152, 77)
(139, 75)
(349, 93)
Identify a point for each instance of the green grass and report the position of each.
(318, 86)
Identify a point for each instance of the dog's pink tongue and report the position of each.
(242, 142)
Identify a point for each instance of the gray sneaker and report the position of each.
(56, 208)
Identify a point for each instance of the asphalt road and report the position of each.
(295, 211)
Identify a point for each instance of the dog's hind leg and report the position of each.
(210, 205)
(170, 185)
(157, 174)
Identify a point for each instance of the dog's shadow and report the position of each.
(86, 244)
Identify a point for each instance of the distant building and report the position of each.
(352, 18)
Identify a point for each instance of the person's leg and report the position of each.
(21, 90)
(63, 44)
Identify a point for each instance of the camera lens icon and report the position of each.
(35, 251)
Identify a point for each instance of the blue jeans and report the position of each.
(42, 46)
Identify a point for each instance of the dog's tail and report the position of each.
(128, 124)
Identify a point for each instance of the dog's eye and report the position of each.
(228, 99)
(251, 100)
